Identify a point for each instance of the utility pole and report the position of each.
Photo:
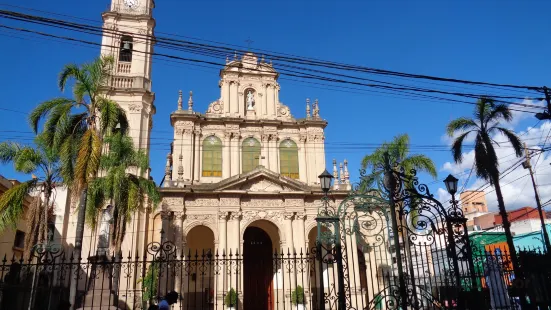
(528, 165)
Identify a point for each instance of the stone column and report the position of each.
(237, 104)
(233, 99)
(272, 149)
(264, 99)
(276, 99)
(226, 149)
(270, 99)
(178, 223)
(226, 92)
(299, 237)
(221, 285)
(274, 108)
(303, 171)
(234, 236)
(196, 166)
(187, 147)
(265, 151)
(288, 226)
(234, 154)
(259, 106)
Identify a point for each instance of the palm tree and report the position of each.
(41, 161)
(76, 127)
(396, 151)
(125, 192)
(487, 116)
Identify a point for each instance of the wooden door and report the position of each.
(258, 270)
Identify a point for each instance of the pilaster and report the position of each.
(226, 149)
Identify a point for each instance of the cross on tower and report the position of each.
(249, 42)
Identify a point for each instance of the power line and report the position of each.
(310, 76)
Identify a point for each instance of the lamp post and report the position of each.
(329, 218)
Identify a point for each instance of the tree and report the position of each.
(41, 161)
(126, 192)
(76, 127)
(397, 151)
(485, 124)
(390, 153)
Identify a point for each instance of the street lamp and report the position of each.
(451, 184)
(325, 181)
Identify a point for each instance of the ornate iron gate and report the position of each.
(394, 248)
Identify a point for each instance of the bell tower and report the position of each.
(128, 36)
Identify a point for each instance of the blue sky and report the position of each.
(497, 41)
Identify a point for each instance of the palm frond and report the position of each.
(421, 163)
(28, 159)
(457, 147)
(43, 109)
(8, 151)
(499, 111)
(460, 124)
(513, 139)
(12, 203)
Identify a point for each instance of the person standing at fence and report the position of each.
(170, 298)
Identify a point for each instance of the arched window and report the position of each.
(288, 159)
(126, 48)
(212, 157)
(250, 156)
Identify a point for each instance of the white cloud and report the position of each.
(516, 186)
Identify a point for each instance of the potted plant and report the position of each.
(231, 299)
(297, 298)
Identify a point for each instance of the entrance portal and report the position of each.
(258, 270)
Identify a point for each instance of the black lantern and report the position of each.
(325, 180)
(451, 184)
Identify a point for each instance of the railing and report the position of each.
(124, 67)
(129, 82)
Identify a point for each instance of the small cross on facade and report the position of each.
(249, 42)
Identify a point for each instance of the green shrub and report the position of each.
(297, 296)
(231, 298)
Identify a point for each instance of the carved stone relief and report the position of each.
(216, 107)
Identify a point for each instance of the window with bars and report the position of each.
(250, 156)
(288, 159)
(212, 157)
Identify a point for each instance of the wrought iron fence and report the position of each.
(203, 279)
(285, 280)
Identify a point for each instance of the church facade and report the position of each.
(241, 177)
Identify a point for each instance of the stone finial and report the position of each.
(180, 168)
(180, 100)
(335, 172)
(316, 109)
(341, 172)
(190, 102)
(346, 174)
(307, 108)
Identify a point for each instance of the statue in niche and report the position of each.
(250, 100)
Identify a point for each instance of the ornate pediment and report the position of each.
(263, 185)
(261, 180)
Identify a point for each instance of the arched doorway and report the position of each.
(258, 270)
(198, 273)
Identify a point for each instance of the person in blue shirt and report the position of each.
(170, 298)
